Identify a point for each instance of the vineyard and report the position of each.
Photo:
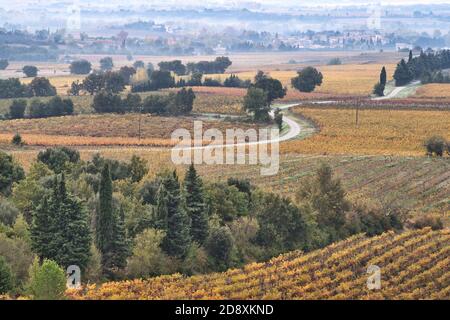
(413, 265)
(371, 132)
(420, 185)
(107, 129)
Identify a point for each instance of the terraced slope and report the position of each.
(414, 265)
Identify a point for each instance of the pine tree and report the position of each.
(410, 57)
(195, 205)
(60, 229)
(120, 247)
(42, 227)
(177, 240)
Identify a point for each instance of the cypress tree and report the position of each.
(383, 77)
(410, 58)
(110, 228)
(162, 207)
(104, 223)
(195, 205)
(177, 239)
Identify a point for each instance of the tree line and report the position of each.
(54, 107)
(38, 87)
(174, 103)
(423, 66)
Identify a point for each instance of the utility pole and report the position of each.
(357, 113)
(140, 117)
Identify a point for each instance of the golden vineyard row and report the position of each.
(413, 265)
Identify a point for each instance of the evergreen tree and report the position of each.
(110, 229)
(60, 229)
(410, 57)
(120, 249)
(195, 205)
(42, 227)
(383, 77)
(177, 239)
(162, 207)
(6, 277)
(104, 223)
(403, 74)
(326, 197)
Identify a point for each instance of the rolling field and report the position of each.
(347, 79)
(384, 132)
(61, 83)
(107, 129)
(434, 91)
(413, 265)
(418, 184)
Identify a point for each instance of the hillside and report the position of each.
(414, 265)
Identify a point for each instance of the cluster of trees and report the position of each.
(112, 221)
(381, 85)
(157, 80)
(111, 81)
(54, 107)
(307, 79)
(38, 87)
(80, 67)
(261, 94)
(219, 65)
(196, 80)
(85, 67)
(421, 66)
(435, 77)
(177, 103)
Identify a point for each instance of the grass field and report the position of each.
(436, 91)
(61, 83)
(347, 79)
(385, 132)
(414, 265)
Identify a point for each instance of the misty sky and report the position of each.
(7, 4)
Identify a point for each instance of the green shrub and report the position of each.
(436, 146)
(17, 140)
(47, 281)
